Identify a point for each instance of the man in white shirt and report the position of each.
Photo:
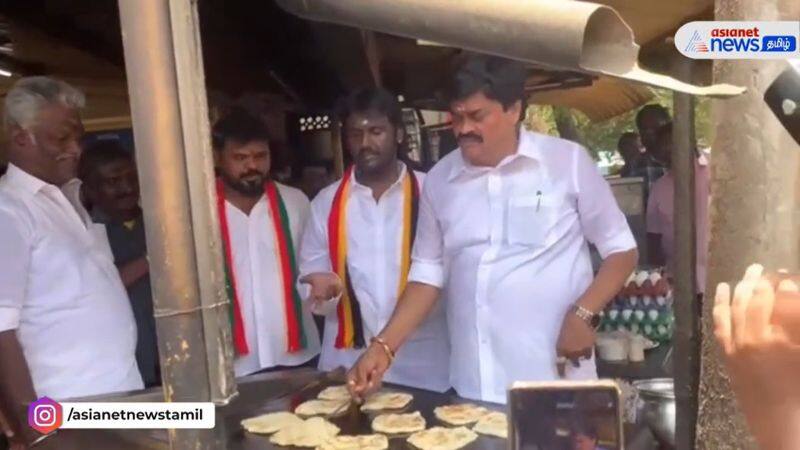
(373, 208)
(503, 233)
(261, 223)
(66, 326)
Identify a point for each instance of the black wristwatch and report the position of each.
(592, 319)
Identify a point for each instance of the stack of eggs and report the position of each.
(643, 306)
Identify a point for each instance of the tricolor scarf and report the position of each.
(295, 331)
(351, 327)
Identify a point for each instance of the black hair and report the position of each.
(376, 100)
(500, 79)
(99, 153)
(653, 108)
(625, 137)
(239, 126)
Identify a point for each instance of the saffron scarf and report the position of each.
(295, 331)
(351, 327)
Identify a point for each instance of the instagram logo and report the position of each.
(44, 415)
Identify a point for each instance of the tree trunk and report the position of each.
(753, 215)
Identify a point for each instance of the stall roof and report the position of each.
(252, 46)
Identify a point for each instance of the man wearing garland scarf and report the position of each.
(503, 238)
(357, 245)
(261, 223)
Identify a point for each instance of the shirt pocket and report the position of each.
(531, 218)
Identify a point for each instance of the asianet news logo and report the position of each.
(738, 40)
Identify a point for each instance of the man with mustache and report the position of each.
(111, 187)
(356, 248)
(66, 326)
(261, 223)
(503, 236)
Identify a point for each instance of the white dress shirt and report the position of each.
(60, 291)
(374, 240)
(257, 270)
(509, 245)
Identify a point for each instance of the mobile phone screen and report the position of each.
(783, 98)
(570, 417)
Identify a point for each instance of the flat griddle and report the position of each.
(353, 422)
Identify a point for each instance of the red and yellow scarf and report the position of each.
(295, 331)
(351, 327)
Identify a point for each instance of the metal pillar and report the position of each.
(755, 202)
(686, 341)
(168, 105)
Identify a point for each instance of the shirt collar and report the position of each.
(22, 179)
(399, 179)
(528, 147)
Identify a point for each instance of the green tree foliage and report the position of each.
(603, 136)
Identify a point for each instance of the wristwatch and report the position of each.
(592, 319)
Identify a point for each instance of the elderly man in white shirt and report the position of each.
(261, 223)
(504, 229)
(373, 209)
(66, 326)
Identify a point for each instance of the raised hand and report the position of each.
(762, 355)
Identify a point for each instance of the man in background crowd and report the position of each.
(661, 210)
(261, 223)
(630, 148)
(111, 187)
(66, 325)
(648, 121)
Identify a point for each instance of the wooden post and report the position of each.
(202, 195)
(686, 341)
(168, 105)
(755, 190)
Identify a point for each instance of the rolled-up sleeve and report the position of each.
(427, 256)
(15, 259)
(603, 223)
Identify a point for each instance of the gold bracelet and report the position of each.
(385, 346)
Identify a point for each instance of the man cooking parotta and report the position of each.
(505, 223)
